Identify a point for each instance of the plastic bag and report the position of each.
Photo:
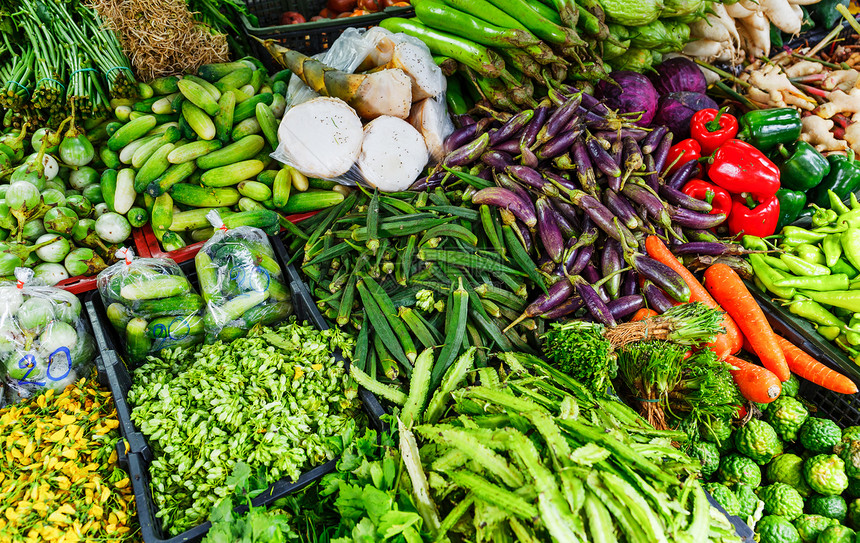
(151, 305)
(43, 341)
(241, 282)
(320, 136)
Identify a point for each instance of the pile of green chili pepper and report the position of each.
(816, 274)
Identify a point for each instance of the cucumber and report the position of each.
(268, 124)
(264, 156)
(281, 77)
(254, 190)
(267, 315)
(171, 241)
(165, 85)
(267, 177)
(112, 127)
(194, 219)
(199, 122)
(160, 129)
(109, 158)
(224, 119)
(202, 234)
(257, 80)
(211, 89)
(197, 196)
(312, 200)
(126, 154)
(186, 130)
(175, 305)
(162, 215)
(124, 193)
(234, 309)
(215, 71)
(160, 286)
(118, 315)
(159, 119)
(137, 217)
(174, 174)
(324, 184)
(136, 341)
(245, 128)
(175, 327)
(244, 149)
(198, 96)
(154, 167)
(248, 108)
(231, 174)
(207, 276)
(278, 291)
(247, 204)
(131, 131)
(279, 106)
(192, 151)
(265, 220)
(279, 87)
(237, 78)
(145, 106)
(164, 105)
(281, 187)
(108, 183)
(142, 154)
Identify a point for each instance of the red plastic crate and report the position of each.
(149, 243)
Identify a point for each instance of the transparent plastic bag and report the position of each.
(151, 305)
(43, 340)
(322, 137)
(241, 282)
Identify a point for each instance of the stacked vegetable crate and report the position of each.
(309, 38)
(115, 373)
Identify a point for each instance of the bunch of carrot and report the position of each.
(747, 327)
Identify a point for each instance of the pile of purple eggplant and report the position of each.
(582, 187)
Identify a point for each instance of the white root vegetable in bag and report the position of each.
(430, 118)
(417, 63)
(392, 155)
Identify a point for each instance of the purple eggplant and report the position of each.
(511, 147)
(700, 235)
(558, 120)
(626, 305)
(633, 160)
(552, 298)
(657, 299)
(651, 178)
(629, 283)
(568, 211)
(677, 235)
(691, 219)
(621, 208)
(593, 302)
(583, 258)
(538, 120)
(507, 182)
(584, 170)
(546, 265)
(532, 178)
(568, 307)
(485, 174)
(463, 121)
(550, 233)
(610, 263)
(511, 127)
(428, 182)
(528, 158)
(468, 153)
(652, 140)
(559, 144)
(661, 153)
(498, 160)
(567, 229)
(524, 235)
(603, 218)
(601, 158)
(588, 101)
(661, 274)
(558, 96)
(592, 275)
(503, 198)
(675, 196)
(709, 248)
(461, 137)
(637, 134)
(643, 196)
(559, 181)
(683, 174)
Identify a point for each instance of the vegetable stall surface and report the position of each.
(271, 400)
(59, 479)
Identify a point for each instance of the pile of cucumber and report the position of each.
(203, 142)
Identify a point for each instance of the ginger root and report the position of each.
(770, 85)
(841, 102)
(852, 136)
(816, 132)
(843, 80)
(804, 67)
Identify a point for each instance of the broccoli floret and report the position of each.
(580, 350)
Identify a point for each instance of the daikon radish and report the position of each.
(710, 28)
(430, 118)
(321, 137)
(703, 48)
(782, 16)
(393, 154)
(738, 11)
(418, 64)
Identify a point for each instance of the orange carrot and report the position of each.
(756, 384)
(643, 314)
(727, 288)
(812, 370)
(723, 344)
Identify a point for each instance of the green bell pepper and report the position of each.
(801, 166)
(764, 129)
(791, 203)
(844, 178)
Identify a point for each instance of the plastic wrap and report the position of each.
(43, 341)
(241, 282)
(151, 304)
(322, 137)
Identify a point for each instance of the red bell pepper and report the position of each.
(718, 197)
(682, 152)
(760, 220)
(712, 128)
(741, 169)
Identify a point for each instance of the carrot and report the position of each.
(643, 314)
(727, 288)
(812, 370)
(724, 344)
(755, 383)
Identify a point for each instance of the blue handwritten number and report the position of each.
(28, 361)
(65, 351)
(163, 334)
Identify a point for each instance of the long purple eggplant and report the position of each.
(548, 229)
(511, 147)
(468, 153)
(700, 235)
(538, 120)
(568, 211)
(626, 305)
(512, 126)
(583, 258)
(552, 298)
(661, 153)
(651, 178)
(623, 210)
(461, 137)
(528, 158)
(593, 302)
(629, 283)
(559, 181)
(637, 134)
(691, 219)
(661, 274)
(633, 160)
(507, 182)
(428, 182)
(506, 199)
(568, 307)
(657, 299)
(532, 178)
(525, 235)
(558, 120)
(603, 218)
(675, 196)
(567, 229)
(498, 160)
(592, 275)
(709, 248)
(588, 101)
(653, 139)
(610, 263)
(656, 208)
(463, 120)
(584, 170)
(601, 158)
(683, 174)
(559, 145)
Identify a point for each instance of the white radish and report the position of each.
(758, 32)
(705, 49)
(417, 62)
(393, 154)
(782, 16)
(751, 5)
(430, 118)
(803, 2)
(321, 137)
(738, 11)
(710, 28)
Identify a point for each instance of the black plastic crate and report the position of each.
(115, 373)
(308, 38)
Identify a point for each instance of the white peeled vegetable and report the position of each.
(737, 11)
(755, 32)
(382, 51)
(322, 137)
(388, 92)
(417, 63)
(706, 49)
(782, 16)
(710, 28)
(392, 155)
(430, 118)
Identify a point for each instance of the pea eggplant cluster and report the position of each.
(581, 186)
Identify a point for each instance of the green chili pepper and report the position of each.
(754, 243)
(794, 235)
(852, 200)
(814, 312)
(818, 282)
(824, 217)
(776, 263)
(769, 276)
(798, 266)
(851, 246)
(832, 247)
(842, 266)
(810, 253)
(836, 203)
(846, 299)
(829, 332)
